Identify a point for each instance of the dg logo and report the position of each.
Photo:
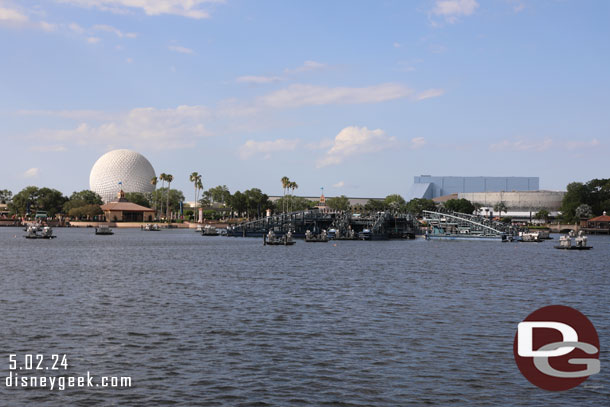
(556, 348)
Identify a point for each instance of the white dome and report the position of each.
(127, 167)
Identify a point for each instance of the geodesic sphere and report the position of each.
(121, 169)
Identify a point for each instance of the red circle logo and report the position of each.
(556, 348)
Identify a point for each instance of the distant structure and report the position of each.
(431, 187)
(121, 170)
(121, 210)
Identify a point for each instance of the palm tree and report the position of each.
(199, 187)
(153, 182)
(169, 178)
(292, 186)
(285, 182)
(500, 207)
(162, 177)
(195, 178)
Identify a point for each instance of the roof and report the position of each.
(445, 198)
(603, 218)
(125, 206)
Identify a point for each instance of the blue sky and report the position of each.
(353, 96)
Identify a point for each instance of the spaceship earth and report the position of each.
(121, 169)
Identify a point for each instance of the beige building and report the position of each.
(122, 210)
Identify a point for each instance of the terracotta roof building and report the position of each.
(122, 210)
(599, 222)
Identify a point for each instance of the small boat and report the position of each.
(272, 240)
(209, 230)
(565, 242)
(103, 230)
(365, 234)
(316, 238)
(34, 232)
(529, 237)
(151, 228)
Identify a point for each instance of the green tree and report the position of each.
(338, 203)
(153, 182)
(543, 215)
(460, 205)
(50, 200)
(139, 198)
(575, 195)
(238, 203)
(256, 202)
(25, 201)
(583, 211)
(81, 198)
(374, 205)
(395, 202)
(86, 211)
(219, 194)
(500, 207)
(416, 206)
(285, 183)
(195, 178)
(297, 203)
(5, 196)
(169, 178)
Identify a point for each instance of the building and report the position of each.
(352, 201)
(122, 210)
(119, 170)
(523, 201)
(430, 187)
(598, 225)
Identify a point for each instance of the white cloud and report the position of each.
(307, 66)
(579, 145)
(451, 10)
(180, 49)
(93, 40)
(251, 147)
(429, 93)
(259, 80)
(113, 30)
(339, 184)
(308, 95)
(141, 127)
(522, 145)
(184, 8)
(354, 140)
(76, 28)
(397, 45)
(48, 149)
(12, 16)
(31, 173)
(47, 26)
(544, 145)
(417, 142)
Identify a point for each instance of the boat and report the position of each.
(316, 238)
(272, 240)
(365, 234)
(529, 237)
(103, 230)
(209, 230)
(151, 228)
(565, 242)
(35, 232)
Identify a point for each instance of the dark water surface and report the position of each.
(227, 322)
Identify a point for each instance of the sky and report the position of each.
(357, 97)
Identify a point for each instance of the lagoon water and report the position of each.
(217, 321)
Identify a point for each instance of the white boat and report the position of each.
(103, 230)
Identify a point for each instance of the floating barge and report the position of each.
(461, 226)
(346, 225)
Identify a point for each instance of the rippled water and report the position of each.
(225, 321)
